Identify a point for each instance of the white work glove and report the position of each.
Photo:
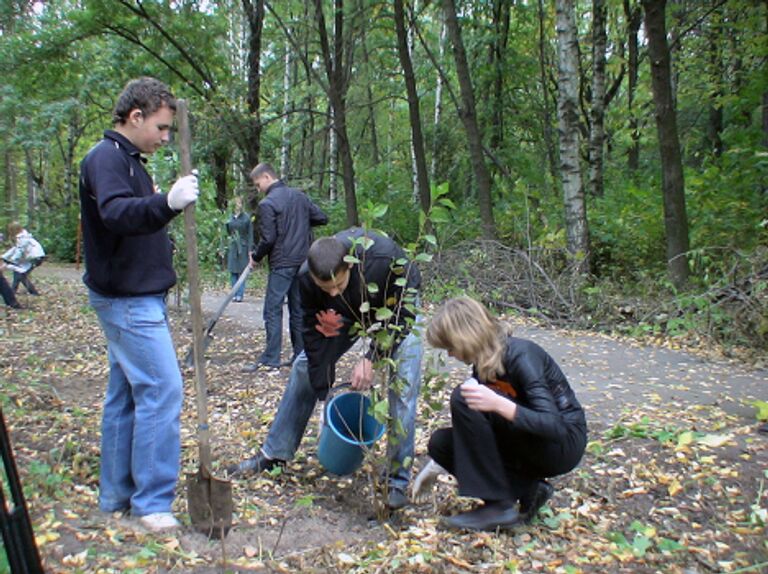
(425, 480)
(183, 192)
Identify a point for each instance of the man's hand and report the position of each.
(183, 192)
(362, 375)
(329, 322)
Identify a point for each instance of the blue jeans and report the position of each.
(140, 444)
(282, 283)
(240, 293)
(299, 401)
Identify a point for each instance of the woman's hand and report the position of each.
(481, 398)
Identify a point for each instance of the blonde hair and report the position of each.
(467, 329)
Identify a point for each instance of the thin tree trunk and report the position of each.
(414, 113)
(597, 112)
(375, 154)
(254, 15)
(673, 185)
(436, 139)
(634, 16)
(468, 115)
(337, 89)
(501, 17)
(10, 184)
(715, 111)
(333, 157)
(577, 231)
(546, 119)
(285, 148)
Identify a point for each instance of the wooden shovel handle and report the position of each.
(193, 276)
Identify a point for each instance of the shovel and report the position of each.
(209, 499)
(189, 360)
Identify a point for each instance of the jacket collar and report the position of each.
(123, 142)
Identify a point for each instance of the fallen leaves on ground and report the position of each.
(665, 486)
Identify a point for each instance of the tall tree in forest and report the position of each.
(634, 17)
(436, 139)
(576, 229)
(414, 113)
(597, 111)
(336, 65)
(254, 15)
(673, 185)
(546, 120)
(468, 114)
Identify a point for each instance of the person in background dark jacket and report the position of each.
(240, 230)
(286, 218)
(128, 271)
(337, 297)
(519, 407)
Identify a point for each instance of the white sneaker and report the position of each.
(159, 522)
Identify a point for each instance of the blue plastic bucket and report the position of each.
(347, 430)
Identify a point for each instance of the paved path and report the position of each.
(609, 375)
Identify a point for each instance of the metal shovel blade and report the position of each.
(209, 502)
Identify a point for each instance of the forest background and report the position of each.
(601, 163)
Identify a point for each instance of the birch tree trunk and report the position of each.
(597, 111)
(285, 148)
(673, 185)
(414, 113)
(468, 115)
(577, 237)
(438, 108)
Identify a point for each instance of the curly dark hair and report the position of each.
(146, 94)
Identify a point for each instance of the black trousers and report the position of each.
(492, 460)
(7, 292)
(23, 278)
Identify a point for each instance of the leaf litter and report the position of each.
(666, 485)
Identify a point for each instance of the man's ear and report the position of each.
(135, 115)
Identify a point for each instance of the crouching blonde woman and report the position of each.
(514, 424)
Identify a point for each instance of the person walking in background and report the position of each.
(128, 272)
(338, 298)
(518, 406)
(286, 218)
(23, 257)
(240, 230)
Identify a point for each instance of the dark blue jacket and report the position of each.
(127, 248)
(286, 218)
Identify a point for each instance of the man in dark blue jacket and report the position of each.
(128, 271)
(374, 292)
(286, 218)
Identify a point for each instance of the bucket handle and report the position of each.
(331, 392)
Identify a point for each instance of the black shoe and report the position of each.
(396, 498)
(254, 465)
(259, 366)
(532, 503)
(491, 516)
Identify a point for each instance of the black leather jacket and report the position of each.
(286, 218)
(546, 404)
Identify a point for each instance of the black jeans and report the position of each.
(23, 278)
(492, 460)
(6, 291)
